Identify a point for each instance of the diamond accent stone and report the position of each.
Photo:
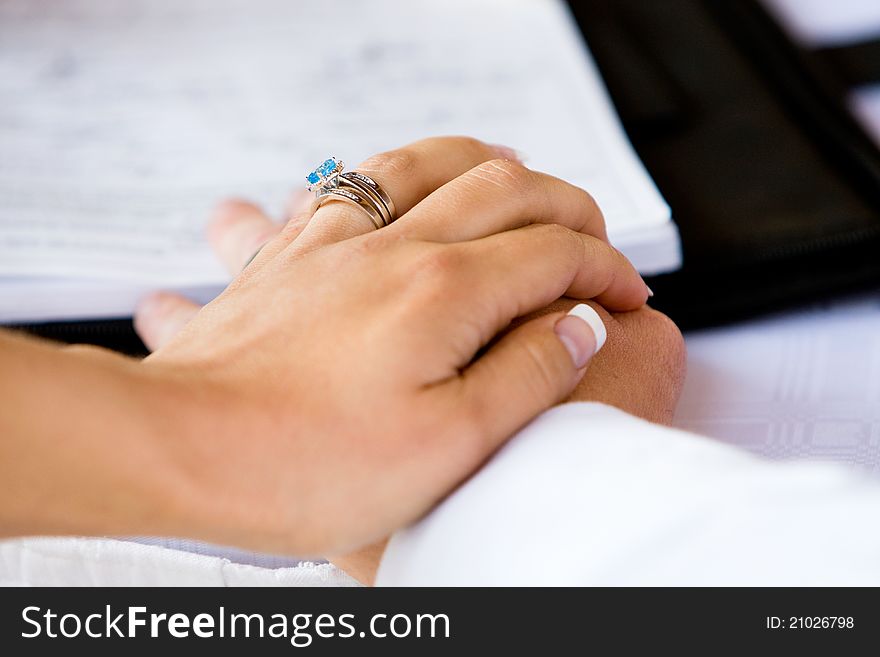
(364, 179)
(347, 194)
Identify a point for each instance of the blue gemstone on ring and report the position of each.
(327, 170)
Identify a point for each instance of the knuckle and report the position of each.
(561, 233)
(667, 332)
(651, 327)
(295, 225)
(592, 209)
(577, 246)
(661, 350)
(572, 247)
(471, 144)
(370, 245)
(514, 177)
(543, 374)
(661, 325)
(472, 428)
(459, 143)
(586, 199)
(403, 163)
(609, 260)
(596, 249)
(557, 232)
(436, 263)
(360, 252)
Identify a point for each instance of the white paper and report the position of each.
(818, 23)
(865, 105)
(122, 123)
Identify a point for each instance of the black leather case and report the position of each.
(774, 187)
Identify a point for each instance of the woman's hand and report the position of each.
(347, 380)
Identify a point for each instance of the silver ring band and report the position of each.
(361, 188)
(353, 187)
(366, 183)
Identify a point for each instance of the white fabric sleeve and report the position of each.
(588, 495)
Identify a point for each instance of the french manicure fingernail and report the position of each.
(582, 332)
(650, 292)
(508, 153)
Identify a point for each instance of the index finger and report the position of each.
(489, 282)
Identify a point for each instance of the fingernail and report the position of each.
(650, 292)
(582, 332)
(507, 153)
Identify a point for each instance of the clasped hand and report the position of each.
(349, 378)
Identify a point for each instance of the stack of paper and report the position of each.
(122, 123)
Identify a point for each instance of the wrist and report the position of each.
(185, 418)
(139, 483)
(215, 443)
(233, 480)
(88, 450)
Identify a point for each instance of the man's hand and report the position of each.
(640, 370)
(642, 367)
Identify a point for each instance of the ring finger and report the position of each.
(407, 175)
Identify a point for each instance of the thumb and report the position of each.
(530, 369)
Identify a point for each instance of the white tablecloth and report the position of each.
(803, 384)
